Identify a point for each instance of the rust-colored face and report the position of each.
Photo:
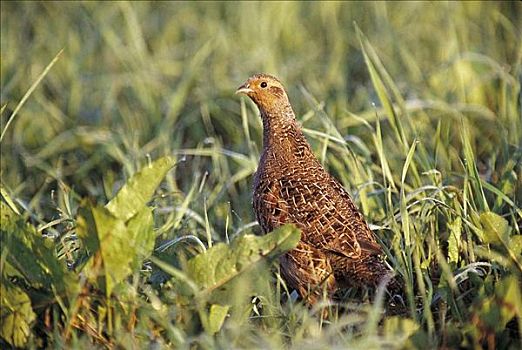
(265, 90)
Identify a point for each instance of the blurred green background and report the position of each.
(139, 79)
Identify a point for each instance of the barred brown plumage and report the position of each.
(337, 248)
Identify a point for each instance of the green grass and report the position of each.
(415, 107)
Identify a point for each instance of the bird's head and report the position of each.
(266, 91)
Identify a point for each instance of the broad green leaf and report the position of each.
(17, 243)
(138, 190)
(222, 262)
(493, 313)
(106, 238)
(455, 229)
(213, 321)
(16, 315)
(118, 248)
(86, 228)
(141, 235)
(26, 254)
(219, 274)
(120, 235)
(495, 228)
(515, 244)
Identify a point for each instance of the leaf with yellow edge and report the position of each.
(215, 318)
(222, 262)
(118, 247)
(139, 189)
(16, 315)
(495, 228)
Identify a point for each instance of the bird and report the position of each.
(337, 249)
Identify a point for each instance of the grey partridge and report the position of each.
(337, 248)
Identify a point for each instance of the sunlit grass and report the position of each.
(415, 107)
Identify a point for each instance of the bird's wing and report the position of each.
(270, 210)
(327, 215)
(365, 236)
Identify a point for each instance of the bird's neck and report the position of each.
(282, 134)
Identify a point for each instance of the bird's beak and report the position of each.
(244, 89)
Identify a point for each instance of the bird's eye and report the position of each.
(264, 84)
